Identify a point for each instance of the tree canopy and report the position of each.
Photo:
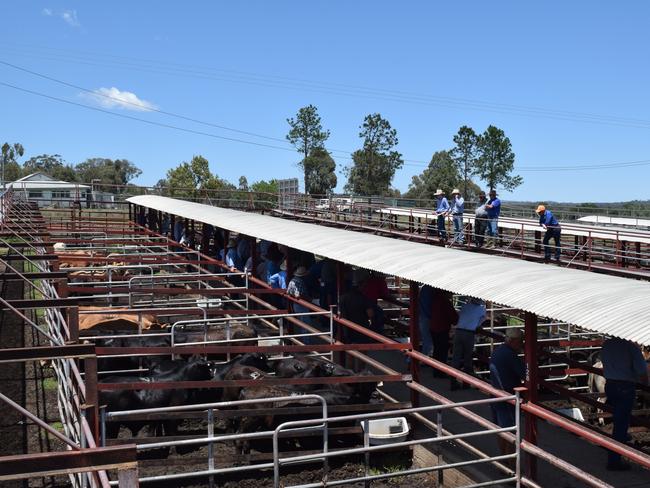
(375, 164)
(320, 170)
(306, 134)
(189, 178)
(442, 173)
(9, 164)
(496, 160)
(107, 171)
(465, 154)
(52, 165)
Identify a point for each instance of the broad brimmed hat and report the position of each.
(438, 193)
(232, 243)
(301, 271)
(540, 208)
(455, 191)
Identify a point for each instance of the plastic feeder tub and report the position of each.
(387, 431)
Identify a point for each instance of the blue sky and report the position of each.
(567, 82)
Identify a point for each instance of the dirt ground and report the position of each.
(30, 385)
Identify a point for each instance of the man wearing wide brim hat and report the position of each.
(298, 288)
(548, 221)
(232, 258)
(457, 210)
(442, 209)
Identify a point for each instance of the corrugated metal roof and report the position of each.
(604, 219)
(607, 304)
(575, 229)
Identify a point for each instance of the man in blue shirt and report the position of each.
(507, 371)
(457, 210)
(231, 258)
(442, 209)
(493, 207)
(623, 367)
(470, 317)
(548, 221)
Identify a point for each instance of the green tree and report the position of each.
(496, 160)
(442, 173)
(306, 134)
(11, 170)
(375, 164)
(320, 170)
(191, 178)
(116, 172)
(52, 165)
(465, 154)
(263, 186)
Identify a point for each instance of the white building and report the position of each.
(49, 192)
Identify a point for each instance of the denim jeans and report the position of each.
(480, 226)
(621, 396)
(459, 235)
(442, 232)
(463, 350)
(493, 227)
(425, 336)
(555, 235)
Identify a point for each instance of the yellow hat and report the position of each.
(540, 208)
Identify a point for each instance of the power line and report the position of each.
(185, 70)
(407, 162)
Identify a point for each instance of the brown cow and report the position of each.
(109, 320)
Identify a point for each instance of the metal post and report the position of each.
(414, 336)
(92, 398)
(73, 323)
(439, 433)
(366, 454)
(532, 383)
(211, 445)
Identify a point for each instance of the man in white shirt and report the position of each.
(470, 318)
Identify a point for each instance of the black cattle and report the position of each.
(254, 359)
(301, 366)
(239, 372)
(194, 370)
(129, 362)
(266, 420)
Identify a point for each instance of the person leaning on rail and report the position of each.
(507, 371)
(548, 221)
(442, 209)
(480, 219)
(457, 210)
(470, 317)
(493, 207)
(623, 366)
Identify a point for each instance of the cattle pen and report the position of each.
(113, 302)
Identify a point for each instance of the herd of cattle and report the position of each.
(250, 366)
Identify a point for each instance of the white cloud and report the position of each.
(70, 17)
(115, 98)
(47, 12)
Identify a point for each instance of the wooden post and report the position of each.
(532, 383)
(128, 477)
